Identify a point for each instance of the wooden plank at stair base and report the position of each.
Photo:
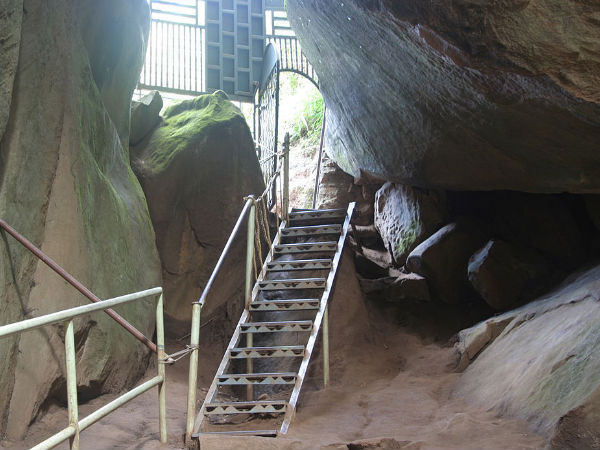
(291, 351)
(299, 264)
(291, 408)
(285, 305)
(261, 433)
(234, 338)
(231, 379)
(292, 283)
(256, 407)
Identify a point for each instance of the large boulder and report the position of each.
(442, 259)
(67, 186)
(145, 115)
(541, 362)
(406, 216)
(462, 94)
(504, 274)
(195, 169)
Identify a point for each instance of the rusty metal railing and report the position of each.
(76, 284)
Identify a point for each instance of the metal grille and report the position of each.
(174, 59)
(267, 112)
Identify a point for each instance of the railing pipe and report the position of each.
(76, 284)
(325, 331)
(248, 291)
(67, 314)
(195, 331)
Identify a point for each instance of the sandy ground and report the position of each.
(391, 388)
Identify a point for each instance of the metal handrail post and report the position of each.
(248, 291)
(162, 372)
(193, 370)
(73, 408)
(286, 177)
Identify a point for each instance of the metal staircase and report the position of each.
(258, 382)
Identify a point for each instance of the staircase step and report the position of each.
(292, 351)
(255, 407)
(261, 433)
(299, 264)
(312, 230)
(306, 247)
(276, 327)
(309, 214)
(292, 283)
(296, 304)
(256, 378)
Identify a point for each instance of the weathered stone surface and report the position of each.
(11, 12)
(542, 222)
(544, 364)
(106, 26)
(67, 186)
(460, 95)
(408, 286)
(504, 274)
(144, 116)
(406, 216)
(195, 169)
(592, 204)
(442, 259)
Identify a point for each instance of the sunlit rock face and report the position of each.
(460, 95)
(66, 184)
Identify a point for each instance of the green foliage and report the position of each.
(307, 124)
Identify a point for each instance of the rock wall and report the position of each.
(460, 95)
(67, 185)
(541, 362)
(195, 168)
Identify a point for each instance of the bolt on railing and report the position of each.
(66, 316)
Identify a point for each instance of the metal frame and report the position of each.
(66, 316)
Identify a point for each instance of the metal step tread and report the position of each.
(311, 230)
(257, 378)
(280, 351)
(271, 327)
(292, 283)
(262, 433)
(254, 407)
(306, 247)
(285, 305)
(299, 264)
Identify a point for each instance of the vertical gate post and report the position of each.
(193, 371)
(286, 178)
(72, 384)
(248, 290)
(162, 372)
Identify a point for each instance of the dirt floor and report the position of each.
(391, 388)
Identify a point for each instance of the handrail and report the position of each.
(75, 426)
(76, 284)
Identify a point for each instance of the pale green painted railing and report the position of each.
(66, 316)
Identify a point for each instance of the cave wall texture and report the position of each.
(68, 70)
(460, 95)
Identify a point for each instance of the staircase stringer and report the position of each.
(291, 407)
